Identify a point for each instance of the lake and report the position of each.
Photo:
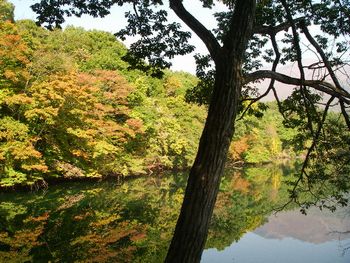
(290, 237)
(133, 222)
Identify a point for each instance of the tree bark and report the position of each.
(204, 179)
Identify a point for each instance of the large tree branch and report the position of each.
(319, 85)
(201, 31)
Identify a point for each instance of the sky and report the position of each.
(116, 21)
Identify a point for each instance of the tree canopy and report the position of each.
(70, 108)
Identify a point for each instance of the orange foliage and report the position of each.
(135, 124)
(104, 234)
(82, 216)
(23, 241)
(89, 110)
(138, 237)
(240, 184)
(237, 148)
(41, 218)
(13, 55)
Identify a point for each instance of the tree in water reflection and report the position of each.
(133, 222)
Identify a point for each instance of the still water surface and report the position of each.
(133, 222)
(290, 237)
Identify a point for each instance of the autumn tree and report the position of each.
(69, 99)
(6, 11)
(251, 36)
(19, 159)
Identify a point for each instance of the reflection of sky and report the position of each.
(317, 227)
(256, 249)
(291, 237)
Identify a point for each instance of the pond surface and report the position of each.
(291, 237)
(133, 222)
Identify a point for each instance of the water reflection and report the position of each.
(253, 248)
(290, 237)
(316, 228)
(105, 222)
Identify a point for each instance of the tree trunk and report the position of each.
(204, 179)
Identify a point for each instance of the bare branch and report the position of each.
(279, 104)
(317, 135)
(277, 52)
(272, 82)
(274, 68)
(303, 172)
(252, 101)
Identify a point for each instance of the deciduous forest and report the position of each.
(72, 108)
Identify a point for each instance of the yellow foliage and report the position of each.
(25, 151)
(238, 148)
(105, 221)
(36, 167)
(18, 99)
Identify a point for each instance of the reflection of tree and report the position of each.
(244, 203)
(323, 178)
(343, 234)
(133, 222)
(19, 244)
(100, 222)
